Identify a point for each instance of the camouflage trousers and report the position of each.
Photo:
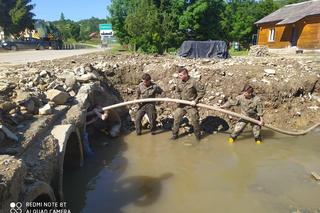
(151, 112)
(241, 125)
(193, 116)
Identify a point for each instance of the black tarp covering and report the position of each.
(203, 49)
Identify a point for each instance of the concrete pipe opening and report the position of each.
(70, 152)
(38, 192)
(73, 155)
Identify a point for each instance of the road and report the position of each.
(23, 57)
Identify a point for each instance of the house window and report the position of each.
(272, 34)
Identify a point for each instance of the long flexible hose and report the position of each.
(215, 108)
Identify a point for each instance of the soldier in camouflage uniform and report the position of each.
(250, 106)
(147, 89)
(191, 90)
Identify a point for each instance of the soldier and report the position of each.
(107, 121)
(252, 107)
(191, 90)
(147, 89)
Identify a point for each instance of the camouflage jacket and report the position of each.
(252, 107)
(148, 92)
(191, 90)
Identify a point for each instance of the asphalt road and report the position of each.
(23, 57)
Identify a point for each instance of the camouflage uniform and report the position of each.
(148, 107)
(191, 90)
(112, 124)
(252, 108)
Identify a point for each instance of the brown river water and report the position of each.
(150, 174)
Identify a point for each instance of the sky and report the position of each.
(50, 10)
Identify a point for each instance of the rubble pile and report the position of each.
(259, 51)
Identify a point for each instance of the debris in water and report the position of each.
(316, 176)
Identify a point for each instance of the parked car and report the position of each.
(26, 43)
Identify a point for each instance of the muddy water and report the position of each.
(149, 174)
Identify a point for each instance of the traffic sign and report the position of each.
(105, 26)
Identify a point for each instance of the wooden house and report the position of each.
(294, 25)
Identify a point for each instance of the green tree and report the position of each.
(88, 26)
(16, 15)
(75, 31)
(202, 19)
(119, 10)
(62, 18)
(142, 26)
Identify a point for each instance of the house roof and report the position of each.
(292, 13)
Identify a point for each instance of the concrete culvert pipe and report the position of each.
(73, 155)
(38, 192)
(70, 151)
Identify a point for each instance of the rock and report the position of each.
(30, 106)
(4, 86)
(72, 93)
(8, 133)
(259, 51)
(45, 110)
(266, 81)
(79, 71)
(57, 96)
(7, 106)
(269, 72)
(22, 97)
(30, 84)
(86, 77)
(70, 80)
(43, 73)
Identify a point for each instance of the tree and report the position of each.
(75, 31)
(202, 19)
(16, 15)
(62, 18)
(119, 10)
(142, 26)
(88, 26)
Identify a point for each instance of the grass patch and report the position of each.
(232, 52)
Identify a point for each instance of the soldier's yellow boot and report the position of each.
(258, 141)
(231, 140)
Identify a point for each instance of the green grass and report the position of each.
(232, 52)
(116, 48)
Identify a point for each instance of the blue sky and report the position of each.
(50, 10)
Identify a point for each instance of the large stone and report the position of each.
(57, 96)
(70, 80)
(87, 77)
(45, 110)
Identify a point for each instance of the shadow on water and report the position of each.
(136, 190)
(78, 181)
(98, 187)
